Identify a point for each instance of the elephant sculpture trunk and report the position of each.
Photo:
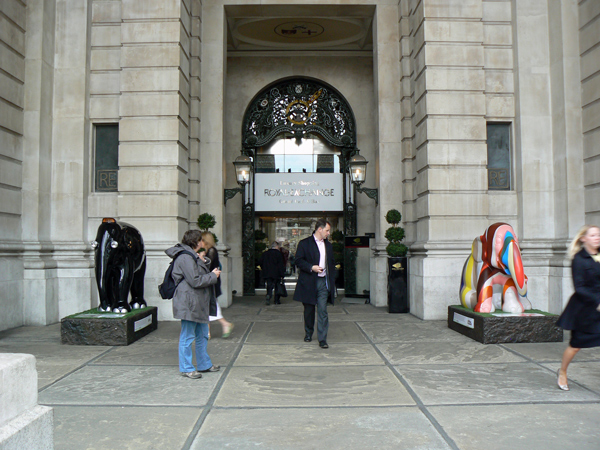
(120, 259)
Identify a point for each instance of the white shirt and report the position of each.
(321, 245)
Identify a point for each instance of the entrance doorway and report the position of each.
(289, 230)
(299, 134)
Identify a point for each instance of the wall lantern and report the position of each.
(357, 166)
(243, 169)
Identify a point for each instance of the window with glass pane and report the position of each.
(287, 154)
(106, 165)
(498, 150)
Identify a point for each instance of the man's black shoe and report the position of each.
(323, 344)
(307, 339)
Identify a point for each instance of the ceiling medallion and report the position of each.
(299, 30)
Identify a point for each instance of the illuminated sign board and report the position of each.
(299, 192)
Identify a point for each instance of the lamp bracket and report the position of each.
(371, 193)
(230, 193)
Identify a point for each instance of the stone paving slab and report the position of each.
(293, 333)
(122, 428)
(408, 330)
(296, 309)
(488, 383)
(318, 428)
(446, 353)
(522, 427)
(54, 360)
(586, 374)
(130, 386)
(552, 351)
(50, 333)
(167, 331)
(360, 309)
(308, 354)
(221, 353)
(312, 386)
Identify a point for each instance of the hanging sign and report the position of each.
(299, 192)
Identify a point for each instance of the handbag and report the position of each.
(280, 289)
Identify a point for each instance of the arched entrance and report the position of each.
(281, 123)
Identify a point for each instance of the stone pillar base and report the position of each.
(34, 429)
(23, 423)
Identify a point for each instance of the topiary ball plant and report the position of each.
(206, 221)
(395, 234)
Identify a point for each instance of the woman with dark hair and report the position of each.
(582, 314)
(208, 243)
(192, 302)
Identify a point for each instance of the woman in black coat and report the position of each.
(208, 243)
(582, 314)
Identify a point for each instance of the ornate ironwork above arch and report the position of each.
(298, 106)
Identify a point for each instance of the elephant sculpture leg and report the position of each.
(123, 280)
(137, 288)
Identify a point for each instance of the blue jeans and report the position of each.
(190, 332)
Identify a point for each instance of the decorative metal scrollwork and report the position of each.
(300, 107)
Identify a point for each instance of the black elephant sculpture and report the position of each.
(120, 266)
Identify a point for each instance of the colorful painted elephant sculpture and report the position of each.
(493, 276)
(120, 259)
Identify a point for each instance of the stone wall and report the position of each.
(12, 102)
(589, 47)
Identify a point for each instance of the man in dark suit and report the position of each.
(273, 270)
(316, 286)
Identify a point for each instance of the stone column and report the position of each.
(589, 48)
(388, 166)
(212, 106)
(40, 305)
(567, 143)
(68, 171)
(154, 130)
(451, 152)
(533, 136)
(13, 53)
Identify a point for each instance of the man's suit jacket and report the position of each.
(307, 255)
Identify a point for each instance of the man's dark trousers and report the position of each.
(272, 286)
(322, 317)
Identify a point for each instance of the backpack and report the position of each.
(167, 288)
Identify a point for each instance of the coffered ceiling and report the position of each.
(299, 28)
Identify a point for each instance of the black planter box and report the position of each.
(97, 328)
(499, 328)
(397, 287)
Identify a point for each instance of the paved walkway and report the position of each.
(386, 382)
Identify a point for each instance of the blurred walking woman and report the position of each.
(192, 302)
(582, 314)
(208, 243)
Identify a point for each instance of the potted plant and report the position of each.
(337, 242)
(397, 264)
(205, 222)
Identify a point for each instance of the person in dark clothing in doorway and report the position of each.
(316, 280)
(273, 270)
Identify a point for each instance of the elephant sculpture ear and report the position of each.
(515, 264)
